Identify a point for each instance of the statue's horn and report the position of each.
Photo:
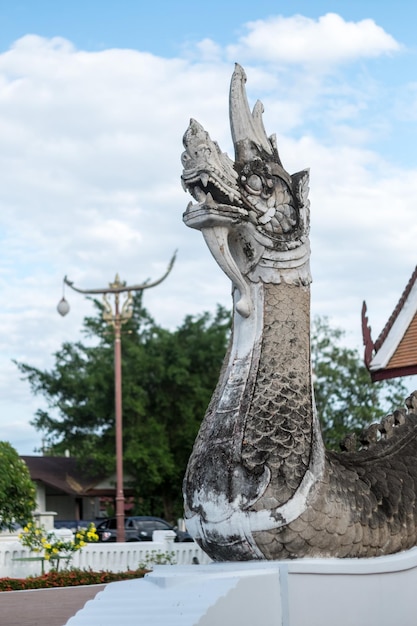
(247, 128)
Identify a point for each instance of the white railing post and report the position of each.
(45, 519)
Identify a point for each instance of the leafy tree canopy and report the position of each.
(168, 378)
(17, 491)
(347, 400)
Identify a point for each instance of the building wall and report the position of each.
(72, 508)
(65, 507)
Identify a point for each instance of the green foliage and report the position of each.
(17, 491)
(168, 378)
(156, 557)
(346, 399)
(50, 547)
(68, 578)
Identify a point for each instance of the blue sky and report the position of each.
(94, 99)
(163, 27)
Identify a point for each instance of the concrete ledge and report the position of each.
(313, 592)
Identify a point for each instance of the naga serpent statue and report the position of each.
(259, 482)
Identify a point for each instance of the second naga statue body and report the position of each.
(259, 483)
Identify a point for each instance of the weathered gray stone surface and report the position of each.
(259, 484)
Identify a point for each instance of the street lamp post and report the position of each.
(116, 316)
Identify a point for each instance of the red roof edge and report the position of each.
(378, 343)
(394, 372)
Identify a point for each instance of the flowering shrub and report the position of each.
(67, 578)
(52, 548)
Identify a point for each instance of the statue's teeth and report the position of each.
(199, 194)
(210, 200)
(204, 177)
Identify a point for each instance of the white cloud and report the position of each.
(328, 40)
(90, 146)
(209, 50)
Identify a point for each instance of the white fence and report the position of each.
(112, 557)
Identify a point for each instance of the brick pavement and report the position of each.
(44, 607)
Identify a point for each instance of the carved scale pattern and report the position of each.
(365, 505)
(279, 423)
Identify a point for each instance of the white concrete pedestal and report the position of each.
(309, 592)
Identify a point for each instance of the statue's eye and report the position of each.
(202, 151)
(254, 182)
(185, 157)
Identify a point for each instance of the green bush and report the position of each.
(156, 557)
(17, 491)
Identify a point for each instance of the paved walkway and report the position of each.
(44, 607)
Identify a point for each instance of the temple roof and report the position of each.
(64, 474)
(394, 353)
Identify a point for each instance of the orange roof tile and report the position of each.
(394, 353)
(406, 352)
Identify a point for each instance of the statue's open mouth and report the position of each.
(206, 188)
(209, 174)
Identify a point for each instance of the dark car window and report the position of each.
(103, 525)
(145, 526)
(160, 526)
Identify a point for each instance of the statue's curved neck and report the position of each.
(282, 408)
(259, 444)
(262, 414)
(279, 428)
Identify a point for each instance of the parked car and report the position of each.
(138, 528)
(73, 524)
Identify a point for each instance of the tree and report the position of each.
(168, 378)
(347, 400)
(17, 491)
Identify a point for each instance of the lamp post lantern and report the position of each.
(116, 316)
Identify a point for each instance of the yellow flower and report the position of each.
(55, 550)
(47, 557)
(26, 529)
